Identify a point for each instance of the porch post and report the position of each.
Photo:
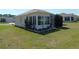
(32, 22)
(44, 20)
(63, 18)
(70, 19)
(36, 21)
(74, 18)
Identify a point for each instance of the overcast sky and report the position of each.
(55, 11)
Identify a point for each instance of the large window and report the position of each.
(67, 18)
(40, 20)
(30, 20)
(34, 20)
(72, 18)
(47, 20)
(26, 19)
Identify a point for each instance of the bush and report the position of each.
(58, 21)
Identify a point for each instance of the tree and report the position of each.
(0, 15)
(5, 15)
(58, 21)
(11, 15)
(8, 15)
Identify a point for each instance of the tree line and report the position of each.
(6, 15)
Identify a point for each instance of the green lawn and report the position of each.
(14, 37)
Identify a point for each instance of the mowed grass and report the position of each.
(14, 37)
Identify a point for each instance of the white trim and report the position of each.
(36, 20)
(70, 19)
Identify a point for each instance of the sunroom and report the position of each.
(39, 22)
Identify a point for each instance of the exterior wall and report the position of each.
(8, 19)
(20, 20)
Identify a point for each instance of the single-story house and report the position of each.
(35, 19)
(39, 19)
(7, 19)
(69, 17)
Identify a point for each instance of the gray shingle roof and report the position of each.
(34, 10)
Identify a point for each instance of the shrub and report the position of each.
(58, 21)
